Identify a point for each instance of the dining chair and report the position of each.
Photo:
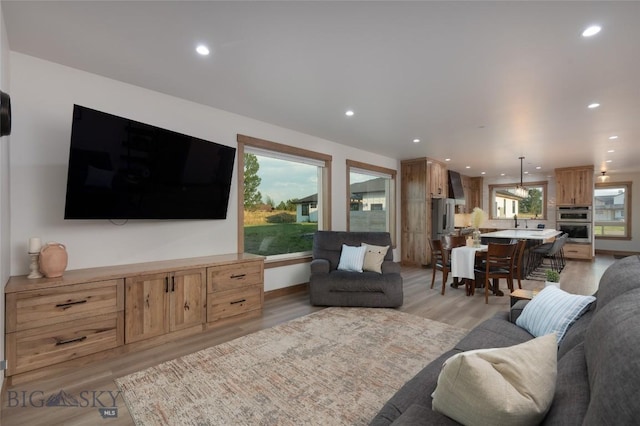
(497, 265)
(517, 268)
(439, 262)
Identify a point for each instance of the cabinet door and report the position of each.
(437, 180)
(583, 187)
(564, 187)
(145, 307)
(187, 305)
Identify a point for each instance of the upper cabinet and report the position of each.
(438, 179)
(574, 186)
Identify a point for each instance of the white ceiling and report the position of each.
(481, 83)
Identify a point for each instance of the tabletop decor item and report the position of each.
(34, 252)
(53, 259)
(553, 278)
(478, 216)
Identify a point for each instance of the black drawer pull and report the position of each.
(238, 301)
(64, 342)
(68, 304)
(238, 276)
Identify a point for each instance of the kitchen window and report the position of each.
(505, 204)
(612, 210)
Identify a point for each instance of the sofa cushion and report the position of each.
(373, 257)
(613, 360)
(553, 311)
(365, 281)
(513, 385)
(617, 279)
(493, 333)
(571, 398)
(351, 258)
(575, 334)
(419, 415)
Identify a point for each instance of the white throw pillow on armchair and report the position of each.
(351, 258)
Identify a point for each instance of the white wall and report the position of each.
(5, 236)
(43, 94)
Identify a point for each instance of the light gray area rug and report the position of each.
(336, 366)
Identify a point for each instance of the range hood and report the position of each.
(456, 191)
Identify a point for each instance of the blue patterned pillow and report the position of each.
(352, 258)
(553, 311)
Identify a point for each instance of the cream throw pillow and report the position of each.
(500, 386)
(373, 257)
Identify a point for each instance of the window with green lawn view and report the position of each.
(612, 205)
(282, 200)
(507, 204)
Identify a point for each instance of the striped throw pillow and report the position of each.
(351, 258)
(553, 311)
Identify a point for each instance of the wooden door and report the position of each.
(145, 307)
(187, 300)
(414, 210)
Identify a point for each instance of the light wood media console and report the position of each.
(53, 324)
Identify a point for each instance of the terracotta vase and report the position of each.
(53, 259)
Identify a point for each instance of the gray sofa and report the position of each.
(598, 380)
(329, 286)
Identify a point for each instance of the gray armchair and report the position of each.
(329, 286)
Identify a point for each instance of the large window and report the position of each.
(283, 198)
(612, 210)
(505, 204)
(371, 198)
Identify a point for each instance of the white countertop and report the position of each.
(526, 234)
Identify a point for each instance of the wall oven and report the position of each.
(579, 232)
(574, 214)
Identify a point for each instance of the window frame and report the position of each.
(545, 196)
(325, 182)
(366, 167)
(628, 210)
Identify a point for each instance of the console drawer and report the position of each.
(61, 304)
(48, 345)
(224, 304)
(226, 277)
(577, 251)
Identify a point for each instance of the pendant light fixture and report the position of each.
(520, 191)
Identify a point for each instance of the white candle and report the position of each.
(34, 244)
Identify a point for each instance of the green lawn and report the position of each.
(279, 238)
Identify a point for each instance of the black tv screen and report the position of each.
(123, 169)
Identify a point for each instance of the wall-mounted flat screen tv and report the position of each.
(123, 169)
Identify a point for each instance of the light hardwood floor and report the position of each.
(93, 385)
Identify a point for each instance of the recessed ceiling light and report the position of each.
(613, 137)
(538, 167)
(202, 49)
(591, 31)
(593, 105)
(526, 173)
(349, 113)
(611, 150)
(416, 140)
(501, 174)
(608, 161)
(483, 173)
(447, 159)
(467, 167)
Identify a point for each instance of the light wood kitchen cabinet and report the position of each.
(472, 187)
(574, 186)
(578, 251)
(421, 180)
(157, 304)
(438, 179)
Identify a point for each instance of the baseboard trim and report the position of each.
(272, 294)
(617, 252)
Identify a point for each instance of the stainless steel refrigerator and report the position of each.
(442, 216)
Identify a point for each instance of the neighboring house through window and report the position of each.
(371, 198)
(612, 210)
(284, 198)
